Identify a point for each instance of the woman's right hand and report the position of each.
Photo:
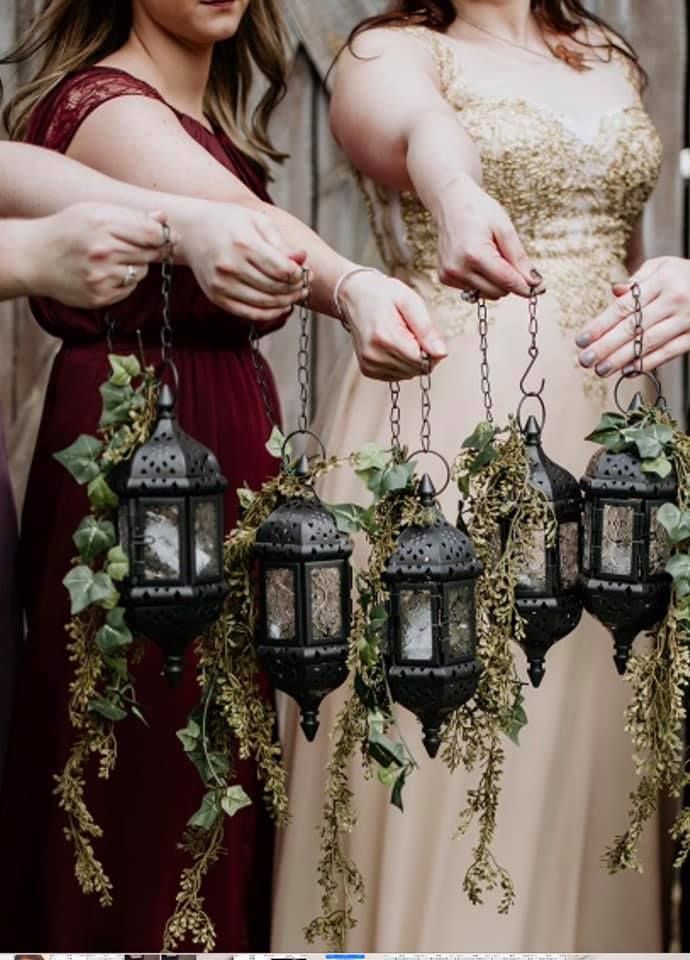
(479, 248)
(390, 327)
(89, 255)
(241, 261)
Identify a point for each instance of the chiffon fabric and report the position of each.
(574, 186)
(144, 806)
(9, 608)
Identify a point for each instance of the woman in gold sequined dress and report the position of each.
(545, 103)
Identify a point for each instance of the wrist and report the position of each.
(21, 256)
(342, 301)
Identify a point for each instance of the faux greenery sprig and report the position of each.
(492, 472)
(101, 645)
(232, 715)
(659, 678)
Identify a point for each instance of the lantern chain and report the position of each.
(395, 415)
(482, 317)
(261, 379)
(166, 274)
(303, 368)
(533, 353)
(425, 384)
(639, 331)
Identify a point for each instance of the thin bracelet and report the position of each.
(340, 313)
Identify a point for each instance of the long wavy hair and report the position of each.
(558, 17)
(68, 35)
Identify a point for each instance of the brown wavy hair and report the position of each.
(69, 35)
(558, 17)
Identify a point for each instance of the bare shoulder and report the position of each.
(387, 41)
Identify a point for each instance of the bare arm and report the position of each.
(141, 141)
(408, 137)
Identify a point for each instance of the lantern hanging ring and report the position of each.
(169, 364)
(533, 353)
(638, 366)
(439, 456)
(301, 433)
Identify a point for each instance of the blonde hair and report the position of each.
(72, 34)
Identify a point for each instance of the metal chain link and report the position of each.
(425, 384)
(109, 331)
(261, 379)
(167, 275)
(639, 331)
(395, 414)
(303, 368)
(533, 351)
(482, 317)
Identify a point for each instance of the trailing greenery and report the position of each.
(655, 716)
(493, 473)
(101, 645)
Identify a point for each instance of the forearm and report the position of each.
(16, 257)
(439, 154)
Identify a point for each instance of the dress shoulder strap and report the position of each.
(442, 53)
(57, 117)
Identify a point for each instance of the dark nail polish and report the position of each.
(587, 359)
(603, 368)
(535, 275)
(629, 369)
(583, 340)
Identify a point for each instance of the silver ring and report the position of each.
(130, 276)
(469, 296)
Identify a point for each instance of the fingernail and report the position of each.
(587, 359)
(438, 347)
(629, 369)
(535, 275)
(583, 340)
(603, 368)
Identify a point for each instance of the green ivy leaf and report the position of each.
(101, 497)
(662, 466)
(234, 799)
(517, 719)
(118, 404)
(81, 458)
(647, 444)
(118, 665)
(190, 735)
(679, 568)
(123, 369)
(376, 723)
(276, 443)
(348, 516)
(114, 635)
(482, 436)
(246, 497)
(371, 457)
(79, 581)
(676, 522)
(93, 537)
(464, 484)
(365, 694)
(118, 564)
(397, 476)
(397, 791)
(103, 592)
(206, 816)
(105, 708)
(384, 750)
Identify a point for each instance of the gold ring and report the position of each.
(130, 276)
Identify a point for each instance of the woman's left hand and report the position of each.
(608, 342)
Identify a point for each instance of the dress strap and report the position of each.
(442, 53)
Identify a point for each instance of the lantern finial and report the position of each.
(636, 403)
(427, 491)
(532, 432)
(166, 402)
(302, 468)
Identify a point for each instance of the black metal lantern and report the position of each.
(170, 525)
(625, 548)
(305, 584)
(547, 592)
(431, 660)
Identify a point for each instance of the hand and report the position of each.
(607, 342)
(390, 326)
(81, 256)
(241, 261)
(479, 248)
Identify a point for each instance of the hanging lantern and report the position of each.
(170, 524)
(431, 656)
(625, 548)
(305, 584)
(547, 592)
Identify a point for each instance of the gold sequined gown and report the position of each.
(574, 192)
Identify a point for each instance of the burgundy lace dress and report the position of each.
(143, 808)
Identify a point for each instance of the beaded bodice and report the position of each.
(573, 197)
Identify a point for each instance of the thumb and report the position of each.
(511, 248)
(415, 314)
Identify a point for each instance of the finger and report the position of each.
(623, 332)
(124, 256)
(247, 295)
(511, 248)
(645, 272)
(137, 229)
(270, 261)
(250, 276)
(388, 370)
(655, 338)
(415, 314)
(621, 308)
(486, 289)
(255, 315)
(677, 347)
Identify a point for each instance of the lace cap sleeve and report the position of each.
(59, 115)
(442, 53)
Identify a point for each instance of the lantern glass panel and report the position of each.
(533, 576)
(460, 599)
(617, 532)
(280, 603)
(161, 547)
(659, 542)
(587, 537)
(569, 553)
(326, 603)
(416, 625)
(206, 556)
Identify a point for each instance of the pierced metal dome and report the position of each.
(301, 529)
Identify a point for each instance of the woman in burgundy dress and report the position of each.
(148, 98)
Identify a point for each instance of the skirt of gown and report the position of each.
(144, 806)
(9, 607)
(565, 788)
